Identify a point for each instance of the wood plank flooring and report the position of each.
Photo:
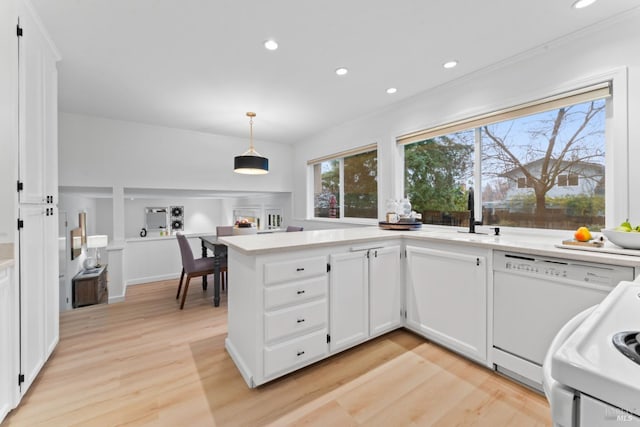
(144, 362)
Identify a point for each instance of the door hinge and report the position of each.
(20, 378)
(328, 267)
(20, 186)
(20, 224)
(18, 31)
(328, 338)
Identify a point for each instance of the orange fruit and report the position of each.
(582, 234)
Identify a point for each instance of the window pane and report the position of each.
(361, 185)
(560, 154)
(438, 172)
(326, 182)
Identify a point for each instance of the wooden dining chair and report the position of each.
(294, 228)
(191, 266)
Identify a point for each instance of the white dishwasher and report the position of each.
(533, 297)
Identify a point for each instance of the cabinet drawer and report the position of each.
(294, 293)
(276, 272)
(288, 355)
(295, 320)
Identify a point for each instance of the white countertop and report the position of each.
(529, 243)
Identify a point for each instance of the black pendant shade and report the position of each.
(251, 165)
(250, 162)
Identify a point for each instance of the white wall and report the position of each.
(545, 71)
(104, 216)
(98, 152)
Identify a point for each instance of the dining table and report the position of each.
(219, 249)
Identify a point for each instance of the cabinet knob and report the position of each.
(299, 320)
(300, 269)
(300, 353)
(300, 292)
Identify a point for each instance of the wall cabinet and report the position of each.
(8, 342)
(38, 114)
(447, 297)
(36, 269)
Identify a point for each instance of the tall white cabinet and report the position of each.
(37, 187)
(30, 128)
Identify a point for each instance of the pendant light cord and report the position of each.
(251, 116)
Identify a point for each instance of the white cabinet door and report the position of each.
(348, 299)
(385, 276)
(8, 370)
(51, 282)
(37, 116)
(447, 298)
(51, 131)
(33, 309)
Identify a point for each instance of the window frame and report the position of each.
(616, 135)
(340, 156)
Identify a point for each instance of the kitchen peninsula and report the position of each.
(297, 298)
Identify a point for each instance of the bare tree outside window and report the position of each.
(560, 154)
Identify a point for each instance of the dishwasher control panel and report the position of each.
(558, 268)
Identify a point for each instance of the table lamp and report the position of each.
(96, 243)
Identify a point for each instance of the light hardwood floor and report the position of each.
(144, 362)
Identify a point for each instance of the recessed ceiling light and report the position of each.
(450, 64)
(580, 4)
(341, 71)
(392, 90)
(271, 45)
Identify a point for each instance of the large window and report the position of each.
(346, 186)
(540, 166)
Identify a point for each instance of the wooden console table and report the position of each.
(90, 287)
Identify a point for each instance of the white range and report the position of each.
(592, 370)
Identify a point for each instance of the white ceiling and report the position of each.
(200, 64)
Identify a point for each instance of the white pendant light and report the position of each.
(251, 162)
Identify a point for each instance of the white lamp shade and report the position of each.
(97, 241)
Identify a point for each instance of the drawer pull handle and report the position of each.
(300, 269)
(300, 292)
(300, 320)
(300, 353)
